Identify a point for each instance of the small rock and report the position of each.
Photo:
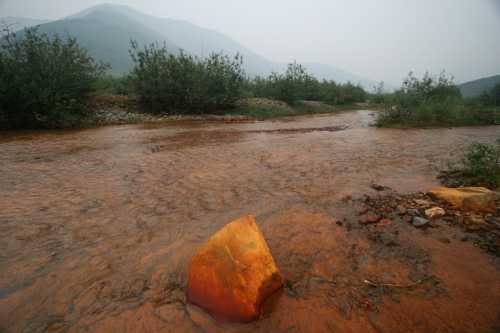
(423, 203)
(475, 222)
(384, 222)
(413, 212)
(377, 187)
(434, 212)
(363, 211)
(419, 221)
(444, 240)
(407, 218)
(347, 198)
(401, 210)
(369, 218)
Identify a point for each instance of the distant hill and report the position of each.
(106, 34)
(477, 87)
(106, 30)
(18, 23)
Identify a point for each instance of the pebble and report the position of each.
(422, 203)
(419, 221)
(402, 210)
(413, 212)
(434, 212)
(369, 218)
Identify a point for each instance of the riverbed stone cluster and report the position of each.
(475, 209)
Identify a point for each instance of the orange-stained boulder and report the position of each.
(467, 198)
(233, 272)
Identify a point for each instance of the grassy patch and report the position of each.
(438, 114)
(480, 166)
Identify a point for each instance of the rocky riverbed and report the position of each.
(98, 226)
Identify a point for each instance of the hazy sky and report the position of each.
(378, 39)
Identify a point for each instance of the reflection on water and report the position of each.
(97, 226)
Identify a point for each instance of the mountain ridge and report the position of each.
(106, 30)
(476, 87)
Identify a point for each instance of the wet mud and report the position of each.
(97, 227)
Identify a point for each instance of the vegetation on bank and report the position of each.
(50, 82)
(480, 166)
(434, 101)
(182, 83)
(44, 82)
(296, 85)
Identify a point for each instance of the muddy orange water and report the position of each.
(97, 227)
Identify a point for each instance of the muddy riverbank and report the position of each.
(97, 226)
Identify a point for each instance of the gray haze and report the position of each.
(378, 39)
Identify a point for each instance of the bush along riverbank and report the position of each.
(480, 166)
(52, 82)
(435, 101)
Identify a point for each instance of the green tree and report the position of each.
(292, 85)
(44, 82)
(182, 83)
(492, 97)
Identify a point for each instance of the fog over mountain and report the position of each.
(106, 31)
(18, 23)
(376, 40)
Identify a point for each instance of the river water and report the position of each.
(97, 226)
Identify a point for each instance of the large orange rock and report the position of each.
(233, 272)
(467, 198)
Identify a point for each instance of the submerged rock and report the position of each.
(477, 199)
(233, 272)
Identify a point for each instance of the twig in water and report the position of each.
(394, 285)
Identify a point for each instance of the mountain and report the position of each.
(19, 23)
(106, 34)
(193, 39)
(477, 87)
(106, 30)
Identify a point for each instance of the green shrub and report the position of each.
(296, 84)
(181, 83)
(433, 102)
(378, 96)
(492, 97)
(482, 162)
(347, 93)
(44, 82)
(290, 86)
(111, 85)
